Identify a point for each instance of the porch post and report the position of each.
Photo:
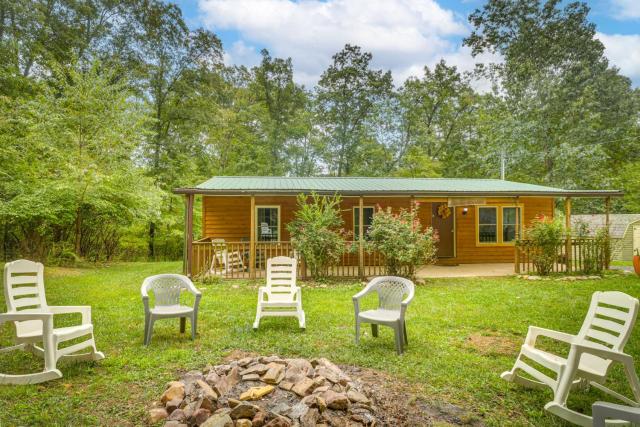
(607, 255)
(361, 237)
(567, 225)
(516, 249)
(252, 240)
(188, 235)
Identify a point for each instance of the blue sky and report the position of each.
(403, 35)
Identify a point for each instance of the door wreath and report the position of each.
(444, 211)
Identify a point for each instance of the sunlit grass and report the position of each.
(441, 361)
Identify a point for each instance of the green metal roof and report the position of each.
(366, 185)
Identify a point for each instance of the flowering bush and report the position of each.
(316, 232)
(546, 235)
(402, 241)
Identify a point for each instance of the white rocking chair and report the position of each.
(223, 260)
(33, 320)
(599, 343)
(281, 296)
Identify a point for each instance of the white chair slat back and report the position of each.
(281, 278)
(24, 292)
(608, 324)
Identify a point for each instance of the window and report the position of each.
(510, 223)
(488, 225)
(366, 220)
(498, 225)
(268, 223)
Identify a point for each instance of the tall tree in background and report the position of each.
(284, 103)
(434, 113)
(571, 112)
(348, 95)
(169, 53)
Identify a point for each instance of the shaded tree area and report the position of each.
(107, 105)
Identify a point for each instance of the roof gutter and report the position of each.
(566, 193)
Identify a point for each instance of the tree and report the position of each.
(72, 182)
(567, 115)
(284, 103)
(348, 96)
(434, 113)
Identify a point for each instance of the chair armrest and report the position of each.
(21, 317)
(367, 290)
(534, 332)
(45, 316)
(85, 310)
(605, 353)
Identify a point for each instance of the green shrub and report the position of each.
(545, 235)
(317, 233)
(597, 253)
(402, 241)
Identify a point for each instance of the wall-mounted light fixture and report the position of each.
(465, 211)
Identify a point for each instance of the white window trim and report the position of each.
(258, 223)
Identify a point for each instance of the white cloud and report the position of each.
(242, 54)
(623, 51)
(626, 9)
(402, 35)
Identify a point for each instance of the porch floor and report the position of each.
(466, 270)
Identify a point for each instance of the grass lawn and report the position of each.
(462, 334)
(622, 263)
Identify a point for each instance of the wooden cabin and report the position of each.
(478, 220)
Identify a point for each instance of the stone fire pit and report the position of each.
(267, 391)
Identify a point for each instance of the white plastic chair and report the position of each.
(600, 342)
(281, 296)
(166, 289)
(392, 306)
(27, 308)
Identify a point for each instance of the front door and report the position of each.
(444, 225)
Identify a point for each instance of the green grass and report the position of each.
(439, 363)
(622, 263)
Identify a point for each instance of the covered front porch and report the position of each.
(480, 224)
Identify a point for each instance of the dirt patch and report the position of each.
(399, 402)
(237, 355)
(63, 272)
(493, 344)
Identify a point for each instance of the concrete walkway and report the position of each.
(466, 270)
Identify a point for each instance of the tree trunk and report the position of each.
(152, 238)
(78, 232)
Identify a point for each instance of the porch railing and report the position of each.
(232, 260)
(576, 255)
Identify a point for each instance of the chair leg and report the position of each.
(357, 331)
(404, 332)
(146, 328)
(256, 323)
(194, 325)
(374, 330)
(183, 324)
(398, 337)
(149, 331)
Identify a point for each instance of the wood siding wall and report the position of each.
(228, 217)
(469, 252)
